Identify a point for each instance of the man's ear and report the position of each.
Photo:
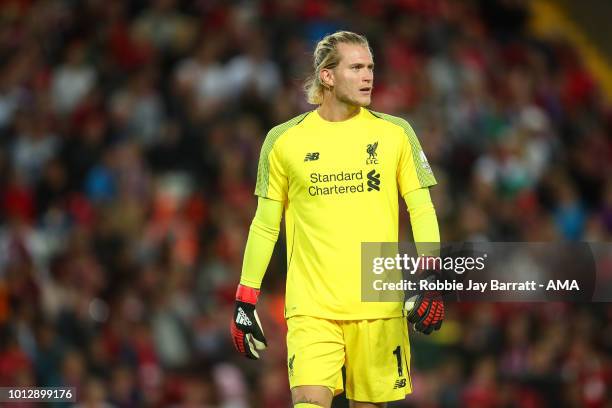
(327, 77)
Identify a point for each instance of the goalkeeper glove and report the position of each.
(246, 329)
(428, 310)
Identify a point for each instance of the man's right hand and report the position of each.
(247, 334)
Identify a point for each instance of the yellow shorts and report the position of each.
(375, 353)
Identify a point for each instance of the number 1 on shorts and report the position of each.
(398, 356)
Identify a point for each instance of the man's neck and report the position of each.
(337, 112)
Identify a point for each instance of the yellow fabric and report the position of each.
(418, 198)
(369, 349)
(424, 221)
(339, 183)
(306, 405)
(260, 243)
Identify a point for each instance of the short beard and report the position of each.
(352, 102)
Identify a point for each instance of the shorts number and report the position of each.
(398, 356)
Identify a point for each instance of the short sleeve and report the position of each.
(271, 175)
(413, 170)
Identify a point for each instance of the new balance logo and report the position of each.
(373, 181)
(401, 383)
(311, 156)
(242, 318)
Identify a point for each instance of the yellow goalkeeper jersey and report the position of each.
(339, 182)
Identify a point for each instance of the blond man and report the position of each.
(335, 173)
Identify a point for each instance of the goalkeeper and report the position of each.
(335, 173)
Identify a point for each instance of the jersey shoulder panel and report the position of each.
(395, 120)
(418, 156)
(281, 129)
(263, 170)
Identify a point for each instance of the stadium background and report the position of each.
(129, 138)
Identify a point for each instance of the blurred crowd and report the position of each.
(129, 139)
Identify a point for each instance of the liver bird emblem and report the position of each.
(371, 149)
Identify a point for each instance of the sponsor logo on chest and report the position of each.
(344, 181)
